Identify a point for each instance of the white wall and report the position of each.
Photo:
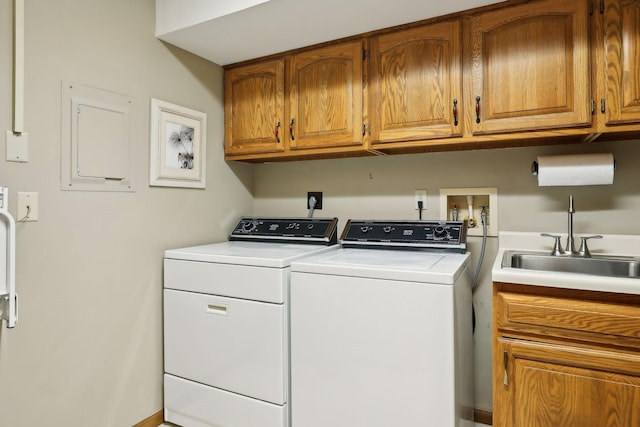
(382, 188)
(88, 347)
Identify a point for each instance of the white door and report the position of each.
(228, 343)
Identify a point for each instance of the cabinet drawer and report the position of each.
(188, 403)
(602, 321)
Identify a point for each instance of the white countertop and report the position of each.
(610, 244)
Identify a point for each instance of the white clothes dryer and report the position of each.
(381, 329)
(226, 329)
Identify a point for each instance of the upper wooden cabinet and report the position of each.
(416, 84)
(326, 97)
(529, 67)
(620, 76)
(316, 106)
(525, 72)
(254, 108)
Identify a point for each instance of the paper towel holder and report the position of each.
(534, 167)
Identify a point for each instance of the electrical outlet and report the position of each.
(318, 196)
(27, 207)
(420, 196)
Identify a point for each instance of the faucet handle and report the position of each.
(584, 250)
(557, 246)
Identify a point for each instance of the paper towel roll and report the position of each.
(578, 169)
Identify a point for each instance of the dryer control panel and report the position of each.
(436, 235)
(294, 230)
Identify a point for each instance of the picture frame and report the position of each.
(177, 146)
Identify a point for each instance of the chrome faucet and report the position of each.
(571, 247)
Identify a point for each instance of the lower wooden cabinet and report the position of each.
(565, 358)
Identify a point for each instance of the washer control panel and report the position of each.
(295, 230)
(450, 235)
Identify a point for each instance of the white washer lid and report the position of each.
(259, 254)
(413, 266)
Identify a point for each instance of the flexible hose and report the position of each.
(474, 281)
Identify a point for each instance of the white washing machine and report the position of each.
(381, 329)
(226, 330)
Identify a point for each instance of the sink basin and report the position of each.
(597, 265)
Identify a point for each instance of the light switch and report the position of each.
(27, 207)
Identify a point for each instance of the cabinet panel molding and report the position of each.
(254, 106)
(622, 57)
(326, 97)
(416, 83)
(530, 67)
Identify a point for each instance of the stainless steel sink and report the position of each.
(596, 265)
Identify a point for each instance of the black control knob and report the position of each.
(440, 232)
(248, 227)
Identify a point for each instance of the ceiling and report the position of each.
(264, 27)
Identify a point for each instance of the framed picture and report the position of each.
(178, 146)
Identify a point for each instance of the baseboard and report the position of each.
(483, 417)
(153, 421)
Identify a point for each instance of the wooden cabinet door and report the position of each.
(416, 83)
(622, 57)
(254, 108)
(529, 67)
(543, 385)
(326, 97)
